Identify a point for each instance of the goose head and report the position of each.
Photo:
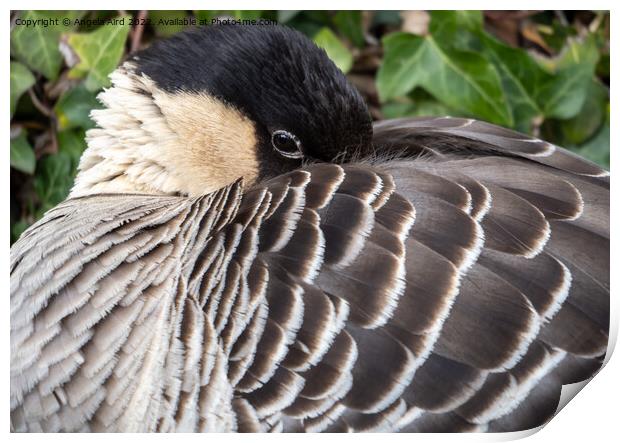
(200, 110)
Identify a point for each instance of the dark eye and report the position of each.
(287, 144)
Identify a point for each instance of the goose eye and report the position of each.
(287, 144)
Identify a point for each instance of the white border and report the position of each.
(592, 416)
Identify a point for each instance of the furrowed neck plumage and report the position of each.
(156, 142)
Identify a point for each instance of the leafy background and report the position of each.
(545, 73)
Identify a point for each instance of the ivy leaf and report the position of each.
(72, 143)
(469, 20)
(323, 17)
(597, 148)
(401, 70)
(390, 18)
(521, 79)
(22, 155)
(462, 80)
(349, 23)
(53, 179)
(520, 74)
(585, 124)
(591, 116)
(21, 80)
(56, 172)
(418, 103)
(73, 108)
(99, 53)
(563, 95)
(37, 46)
(339, 54)
(17, 229)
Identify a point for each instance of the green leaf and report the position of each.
(323, 17)
(462, 80)
(418, 103)
(17, 229)
(591, 116)
(390, 18)
(469, 20)
(563, 95)
(22, 154)
(99, 53)
(521, 78)
(21, 80)
(53, 180)
(310, 22)
(167, 23)
(339, 53)
(37, 46)
(402, 68)
(349, 23)
(73, 144)
(585, 124)
(597, 149)
(73, 108)
(310, 29)
(463, 30)
(602, 68)
(520, 75)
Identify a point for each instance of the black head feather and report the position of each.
(273, 74)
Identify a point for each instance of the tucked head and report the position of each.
(198, 111)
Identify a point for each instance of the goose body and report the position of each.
(452, 278)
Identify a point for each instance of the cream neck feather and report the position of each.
(156, 142)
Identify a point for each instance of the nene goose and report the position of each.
(244, 251)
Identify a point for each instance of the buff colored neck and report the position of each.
(156, 142)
